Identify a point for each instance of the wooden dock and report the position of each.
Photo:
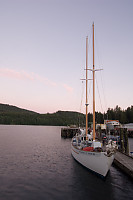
(69, 132)
(124, 162)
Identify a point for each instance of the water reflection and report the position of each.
(36, 163)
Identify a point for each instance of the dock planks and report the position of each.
(124, 162)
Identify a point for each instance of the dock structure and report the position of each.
(69, 132)
(124, 162)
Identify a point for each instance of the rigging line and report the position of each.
(82, 95)
(99, 96)
(90, 48)
(101, 64)
(105, 101)
(89, 91)
(89, 39)
(97, 53)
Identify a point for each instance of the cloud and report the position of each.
(68, 88)
(23, 75)
(44, 80)
(31, 76)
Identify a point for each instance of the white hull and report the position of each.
(98, 162)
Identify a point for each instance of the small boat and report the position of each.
(88, 151)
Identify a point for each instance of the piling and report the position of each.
(122, 141)
(124, 146)
(69, 132)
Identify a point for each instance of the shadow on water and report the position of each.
(90, 186)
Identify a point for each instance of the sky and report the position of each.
(43, 54)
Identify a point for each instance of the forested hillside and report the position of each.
(6, 108)
(14, 115)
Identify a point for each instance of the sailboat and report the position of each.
(84, 147)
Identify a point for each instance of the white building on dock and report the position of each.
(112, 124)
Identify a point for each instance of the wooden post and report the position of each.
(126, 145)
(122, 141)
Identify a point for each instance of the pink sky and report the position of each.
(42, 53)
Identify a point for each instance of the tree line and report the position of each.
(124, 116)
(16, 116)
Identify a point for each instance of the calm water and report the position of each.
(36, 164)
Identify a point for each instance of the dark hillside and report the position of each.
(13, 115)
(6, 108)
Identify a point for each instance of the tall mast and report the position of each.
(93, 88)
(86, 86)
